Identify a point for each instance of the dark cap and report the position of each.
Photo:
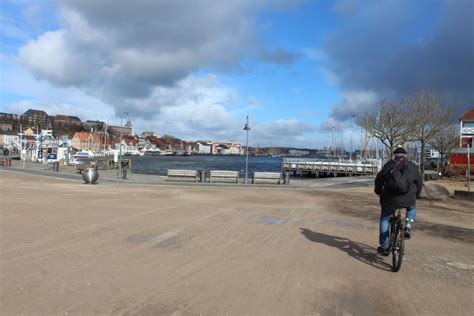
(400, 150)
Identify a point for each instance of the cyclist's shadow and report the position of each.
(357, 250)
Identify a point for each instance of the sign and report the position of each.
(467, 131)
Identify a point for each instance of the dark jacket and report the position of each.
(388, 200)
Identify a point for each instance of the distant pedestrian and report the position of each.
(399, 185)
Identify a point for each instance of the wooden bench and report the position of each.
(180, 174)
(223, 175)
(267, 176)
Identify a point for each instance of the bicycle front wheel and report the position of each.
(398, 249)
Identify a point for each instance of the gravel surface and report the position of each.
(140, 249)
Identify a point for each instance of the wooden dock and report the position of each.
(332, 168)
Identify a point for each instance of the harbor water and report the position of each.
(159, 165)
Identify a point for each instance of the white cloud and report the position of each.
(159, 44)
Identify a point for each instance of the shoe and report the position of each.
(407, 232)
(383, 251)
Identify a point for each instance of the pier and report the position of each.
(332, 168)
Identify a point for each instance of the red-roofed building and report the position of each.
(157, 142)
(129, 144)
(88, 141)
(467, 128)
(459, 157)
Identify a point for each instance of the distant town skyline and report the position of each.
(299, 69)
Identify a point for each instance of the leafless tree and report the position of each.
(388, 124)
(427, 118)
(445, 141)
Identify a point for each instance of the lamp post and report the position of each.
(247, 129)
(120, 173)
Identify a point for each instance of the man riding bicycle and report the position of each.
(398, 184)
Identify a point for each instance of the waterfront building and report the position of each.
(10, 139)
(33, 118)
(226, 148)
(459, 158)
(92, 126)
(466, 128)
(203, 147)
(6, 124)
(66, 124)
(115, 130)
(88, 141)
(156, 142)
(9, 116)
(58, 120)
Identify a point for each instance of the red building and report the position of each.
(459, 157)
(466, 128)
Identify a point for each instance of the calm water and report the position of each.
(160, 164)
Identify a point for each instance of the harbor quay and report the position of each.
(135, 248)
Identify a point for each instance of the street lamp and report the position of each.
(120, 173)
(247, 129)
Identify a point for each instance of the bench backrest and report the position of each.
(182, 173)
(223, 173)
(266, 175)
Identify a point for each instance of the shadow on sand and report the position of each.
(356, 250)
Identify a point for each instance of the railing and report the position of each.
(371, 166)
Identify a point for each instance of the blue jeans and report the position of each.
(384, 218)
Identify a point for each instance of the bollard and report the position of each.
(124, 174)
(56, 166)
(286, 178)
(202, 176)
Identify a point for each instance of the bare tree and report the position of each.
(427, 118)
(445, 141)
(388, 124)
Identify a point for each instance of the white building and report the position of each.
(10, 139)
(204, 147)
(466, 128)
(226, 148)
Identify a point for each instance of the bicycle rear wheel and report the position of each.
(398, 248)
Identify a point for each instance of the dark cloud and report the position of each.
(394, 48)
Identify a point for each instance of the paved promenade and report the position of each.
(136, 248)
(108, 176)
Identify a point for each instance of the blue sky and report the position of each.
(195, 69)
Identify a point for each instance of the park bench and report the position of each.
(182, 174)
(223, 175)
(266, 176)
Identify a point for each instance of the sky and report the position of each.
(195, 69)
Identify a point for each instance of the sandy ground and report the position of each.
(71, 248)
(454, 183)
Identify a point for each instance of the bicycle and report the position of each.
(397, 240)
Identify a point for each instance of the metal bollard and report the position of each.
(202, 176)
(286, 178)
(56, 166)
